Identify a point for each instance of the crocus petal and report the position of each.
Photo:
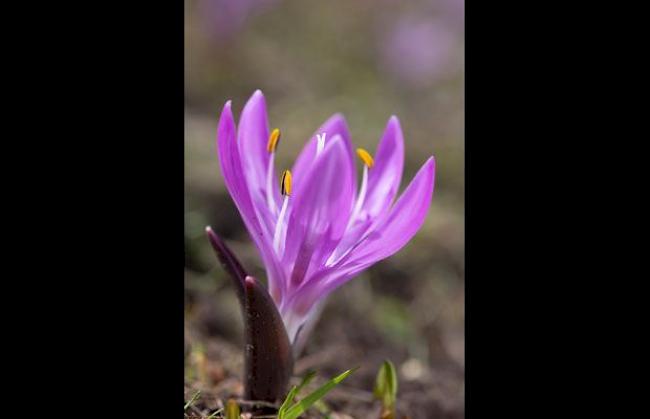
(403, 221)
(300, 327)
(334, 126)
(398, 227)
(383, 183)
(252, 140)
(352, 236)
(233, 174)
(231, 166)
(385, 176)
(320, 210)
(252, 137)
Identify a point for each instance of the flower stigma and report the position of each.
(321, 143)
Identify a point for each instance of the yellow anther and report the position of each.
(274, 139)
(365, 157)
(285, 184)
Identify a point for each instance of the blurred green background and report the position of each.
(368, 60)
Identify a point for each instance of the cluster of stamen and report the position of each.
(286, 185)
(285, 188)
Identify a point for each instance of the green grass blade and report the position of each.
(306, 380)
(323, 409)
(215, 413)
(287, 401)
(188, 404)
(304, 404)
(294, 391)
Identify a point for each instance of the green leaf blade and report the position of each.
(306, 380)
(301, 407)
(287, 401)
(192, 400)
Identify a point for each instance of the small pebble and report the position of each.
(412, 369)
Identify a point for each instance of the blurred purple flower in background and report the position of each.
(424, 45)
(221, 19)
(453, 12)
(419, 51)
(313, 229)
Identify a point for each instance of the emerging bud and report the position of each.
(386, 389)
(268, 359)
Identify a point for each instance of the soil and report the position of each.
(343, 339)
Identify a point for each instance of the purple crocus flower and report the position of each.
(314, 229)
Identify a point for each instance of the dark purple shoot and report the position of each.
(268, 359)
